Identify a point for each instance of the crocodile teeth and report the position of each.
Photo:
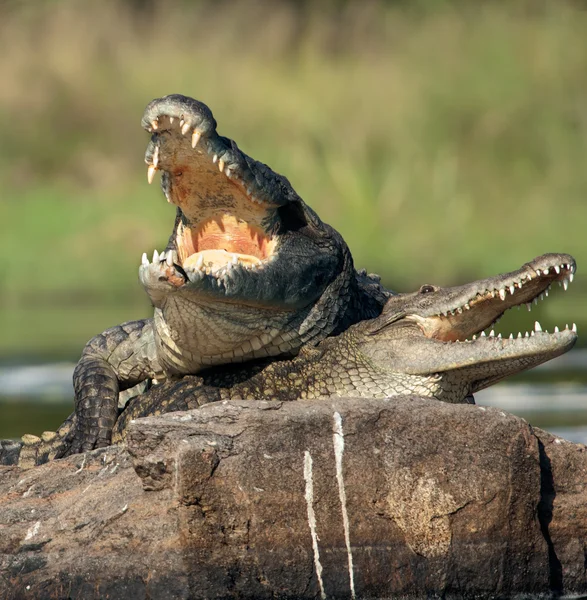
(185, 128)
(221, 165)
(151, 173)
(511, 336)
(556, 330)
(571, 277)
(145, 260)
(155, 124)
(492, 333)
(155, 256)
(529, 306)
(537, 326)
(169, 259)
(195, 138)
(545, 271)
(171, 119)
(502, 293)
(538, 272)
(156, 156)
(483, 334)
(574, 328)
(565, 284)
(512, 290)
(215, 158)
(557, 269)
(519, 335)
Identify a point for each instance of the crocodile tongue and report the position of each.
(215, 259)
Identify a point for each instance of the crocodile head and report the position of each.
(441, 330)
(247, 258)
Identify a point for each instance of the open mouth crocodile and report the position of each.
(249, 272)
(429, 343)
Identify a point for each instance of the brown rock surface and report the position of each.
(332, 498)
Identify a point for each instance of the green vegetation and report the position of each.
(445, 143)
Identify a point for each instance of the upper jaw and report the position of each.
(467, 310)
(184, 137)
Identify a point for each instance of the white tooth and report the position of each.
(492, 333)
(234, 260)
(546, 292)
(511, 336)
(541, 296)
(221, 165)
(537, 326)
(467, 307)
(162, 256)
(519, 334)
(512, 290)
(556, 329)
(460, 310)
(156, 156)
(574, 328)
(171, 119)
(169, 259)
(499, 336)
(571, 277)
(566, 284)
(155, 256)
(155, 124)
(474, 337)
(532, 333)
(150, 173)
(185, 128)
(493, 293)
(215, 158)
(567, 326)
(145, 260)
(195, 138)
(529, 306)
(538, 272)
(568, 266)
(526, 334)
(228, 172)
(545, 271)
(483, 334)
(502, 294)
(535, 301)
(557, 269)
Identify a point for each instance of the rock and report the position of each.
(330, 498)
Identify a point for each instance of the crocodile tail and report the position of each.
(31, 450)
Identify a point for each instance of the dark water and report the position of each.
(37, 398)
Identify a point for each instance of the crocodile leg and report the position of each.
(115, 360)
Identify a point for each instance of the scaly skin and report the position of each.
(418, 345)
(249, 272)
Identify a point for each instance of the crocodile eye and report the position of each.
(427, 289)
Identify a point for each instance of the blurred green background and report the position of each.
(446, 141)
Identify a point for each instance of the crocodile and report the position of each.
(429, 343)
(250, 271)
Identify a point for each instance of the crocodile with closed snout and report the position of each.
(249, 272)
(429, 343)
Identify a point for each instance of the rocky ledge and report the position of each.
(336, 498)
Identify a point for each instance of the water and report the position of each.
(34, 398)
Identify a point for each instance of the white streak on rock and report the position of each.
(312, 519)
(33, 530)
(338, 440)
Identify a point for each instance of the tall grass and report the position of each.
(445, 143)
